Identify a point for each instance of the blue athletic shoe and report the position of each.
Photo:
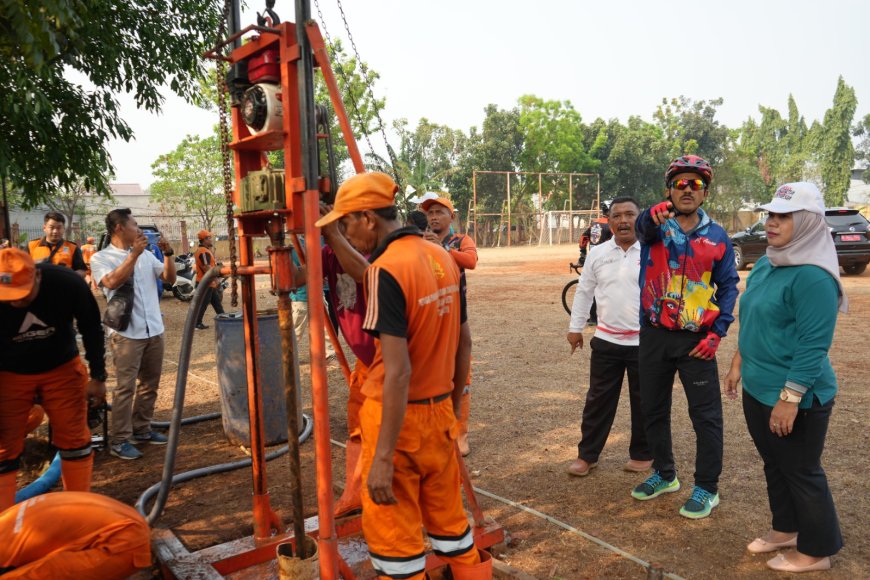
(654, 486)
(125, 451)
(152, 437)
(700, 504)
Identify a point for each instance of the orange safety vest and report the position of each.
(200, 268)
(40, 251)
(88, 250)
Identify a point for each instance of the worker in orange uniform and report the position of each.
(409, 460)
(72, 535)
(463, 250)
(39, 357)
(52, 248)
(205, 261)
(88, 250)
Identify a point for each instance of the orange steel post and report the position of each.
(327, 540)
(265, 520)
(322, 59)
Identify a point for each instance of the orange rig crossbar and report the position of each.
(300, 211)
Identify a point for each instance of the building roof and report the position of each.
(126, 189)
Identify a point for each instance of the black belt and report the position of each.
(431, 400)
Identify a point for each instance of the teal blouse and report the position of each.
(787, 319)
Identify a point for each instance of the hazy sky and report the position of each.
(447, 60)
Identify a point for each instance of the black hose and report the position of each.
(178, 407)
(188, 420)
(146, 496)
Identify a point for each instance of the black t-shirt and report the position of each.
(41, 337)
(599, 232)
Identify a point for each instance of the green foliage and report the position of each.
(54, 130)
(636, 162)
(837, 151)
(495, 147)
(190, 179)
(862, 151)
(426, 158)
(690, 127)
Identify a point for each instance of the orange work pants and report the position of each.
(355, 398)
(73, 535)
(62, 392)
(427, 488)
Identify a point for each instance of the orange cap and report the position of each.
(203, 234)
(91, 239)
(16, 274)
(373, 190)
(440, 201)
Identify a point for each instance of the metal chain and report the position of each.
(224, 136)
(340, 70)
(368, 84)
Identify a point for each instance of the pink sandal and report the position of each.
(759, 546)
(780, 564)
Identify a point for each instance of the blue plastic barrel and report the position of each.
(232, 379)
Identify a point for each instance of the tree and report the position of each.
(691, 127)
(636, 163)
(496, 147)
(862, 151)
(53, 130)
(190, 179)
(552, 142)
(426, 158)
(837, 151)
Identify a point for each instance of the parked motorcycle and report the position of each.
(184, 273)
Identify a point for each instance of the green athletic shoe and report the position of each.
(700, 504)
(654, 486)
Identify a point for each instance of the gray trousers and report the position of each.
(138, 364)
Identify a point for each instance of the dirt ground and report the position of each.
(528, 394)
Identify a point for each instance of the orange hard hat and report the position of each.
(91, 239)
(203, 234)
(16, 274)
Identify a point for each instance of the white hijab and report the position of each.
(811, 244)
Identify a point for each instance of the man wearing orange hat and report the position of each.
(463, 250)
(39, 305)
(409, 463)
(205, 261)
(72, 535)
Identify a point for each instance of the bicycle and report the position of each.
(567, 290)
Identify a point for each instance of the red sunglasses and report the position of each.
(695, 184)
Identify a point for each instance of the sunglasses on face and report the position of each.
(695, 184)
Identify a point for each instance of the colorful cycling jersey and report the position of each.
(688, 280)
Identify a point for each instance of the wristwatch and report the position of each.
(788, 397)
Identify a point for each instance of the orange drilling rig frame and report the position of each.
(278, 113)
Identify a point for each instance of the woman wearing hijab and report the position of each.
(787, 318)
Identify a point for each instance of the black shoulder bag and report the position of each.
(119, 309)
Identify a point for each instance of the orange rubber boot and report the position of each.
(7, 490)
(481, 571)
(76, 474)
(464, 414)
(350, 500)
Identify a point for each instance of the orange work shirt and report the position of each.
(412, 290)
